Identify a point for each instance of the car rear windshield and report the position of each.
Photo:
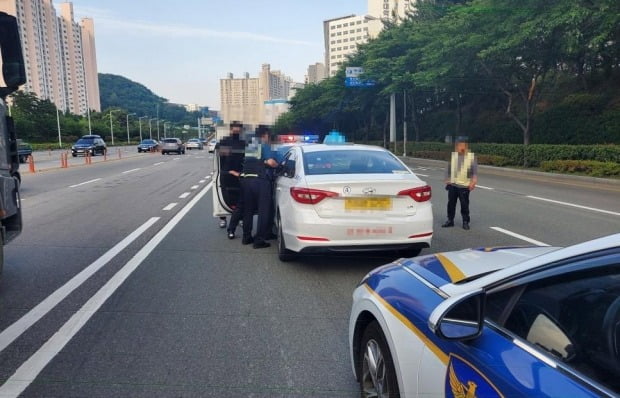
(351, 162)
(170, 141)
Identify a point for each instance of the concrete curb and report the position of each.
(508, 170)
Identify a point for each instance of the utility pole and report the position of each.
(158, 122)
(140, 123)
(393, 119)
(58, 125)
(404, 122)
(111, 127)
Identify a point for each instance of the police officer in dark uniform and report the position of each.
(256, 183)
(231, 150)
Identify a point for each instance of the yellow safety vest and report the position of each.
(459, 177)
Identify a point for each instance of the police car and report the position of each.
(491, 322)
(344, 197)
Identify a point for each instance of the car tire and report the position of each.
(285, 255)
(163, 153)
(374, 348)
(74, 155)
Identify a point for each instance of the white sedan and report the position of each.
(345, 197)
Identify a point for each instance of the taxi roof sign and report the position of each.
(334, 137)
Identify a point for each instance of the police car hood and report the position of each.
(466, 265)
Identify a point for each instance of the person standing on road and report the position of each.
(256, 183)
(461, 179)
(231, 150)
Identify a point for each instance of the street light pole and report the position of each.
(58, 125)
(404, 123)
(129, 114)
(111, 127)
(140, 123)
(150, 128)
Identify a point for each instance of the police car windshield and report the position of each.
(351, 162)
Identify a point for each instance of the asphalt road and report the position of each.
(112, 290)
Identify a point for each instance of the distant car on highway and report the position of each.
(89, 145)
(345, 197)
(491, 322)
(204, 141)
(24, 151)
(175, 145)
(194, 143)
(211, 146)
(148, 145)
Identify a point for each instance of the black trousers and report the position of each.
(462, 195)
(257, 198)
(237, 214)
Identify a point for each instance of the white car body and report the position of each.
(420, 359)
(193, 144)
(335, 223)
(211, 146)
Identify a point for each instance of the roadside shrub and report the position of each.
(590, 167)
(437, 155)
(493, 160)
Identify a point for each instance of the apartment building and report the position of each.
(343, 35)
(59, 54)
(253, 100)
(316, 73)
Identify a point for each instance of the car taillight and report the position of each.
(311, 196)
(420, 194)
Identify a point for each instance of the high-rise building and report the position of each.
(343, 35)
(253, 100)
(316, 73)
(59, 54)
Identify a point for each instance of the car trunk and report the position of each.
(370, 196)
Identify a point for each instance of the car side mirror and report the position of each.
(13, 70)
(460, 317)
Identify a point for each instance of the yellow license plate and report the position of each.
(368, 204)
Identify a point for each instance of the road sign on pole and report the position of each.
(352, 78)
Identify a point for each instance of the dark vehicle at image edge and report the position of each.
(172, 145)
(89, 145)
(148, 146)
(24, 151)
(13, 75)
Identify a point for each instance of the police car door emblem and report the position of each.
(463, 380)
(346, 190)
(369, 191)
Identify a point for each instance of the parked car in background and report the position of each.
(204, 141)
(89, 145)
(211, 146)
(172, 145)
(194, 143)
(148, 145)
(24, 151)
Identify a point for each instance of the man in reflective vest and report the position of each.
(461, 179)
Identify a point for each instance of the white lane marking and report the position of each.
(483, 187)
(184, 195)
(30, 369)
(518, 236)
(199, 157)
(202, 181)
(421, 175)
(170, 207)
(131, 171)
(195, 187)
(84, 183)
(613, 213)
(158, 163)
(208, 177)
(176, 159)
(11, 333)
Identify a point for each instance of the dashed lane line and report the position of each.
(519, 236)
(195, 187)
(170, 207)
(131, 171)
(185, 195)
(557, 202)
(85, 183)
(483, 187)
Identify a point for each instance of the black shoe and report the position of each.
(247, 240)
(261, 244)
(465, 225)
(447, 224)
(231, 235)
(272, 237)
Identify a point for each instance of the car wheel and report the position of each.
(74, 155)
(284, 254)
(378, 377)
(163, 153)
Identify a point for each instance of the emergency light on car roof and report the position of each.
(295, 139)
(334, 137)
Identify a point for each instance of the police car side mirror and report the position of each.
(460, 317)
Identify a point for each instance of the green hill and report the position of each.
(119, 92)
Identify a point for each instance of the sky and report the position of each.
(181, 48)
